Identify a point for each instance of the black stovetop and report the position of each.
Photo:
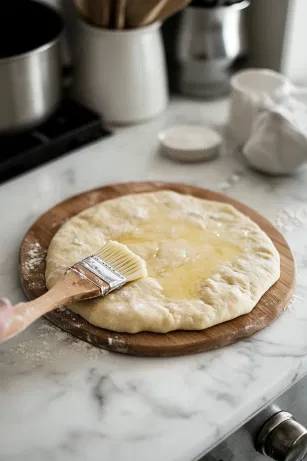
(72, 126)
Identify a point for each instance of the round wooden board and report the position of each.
(32, 275)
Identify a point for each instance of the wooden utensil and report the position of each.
(153, 14)
(120, 14)
(106, 12)
(96, 12)
(82, 9)
(272, 303)
(141, 13)
(171, 7)
(139, 10)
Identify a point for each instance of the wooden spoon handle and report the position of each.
(120, 14)
(68, 290)
(154, 13)
(106, 13)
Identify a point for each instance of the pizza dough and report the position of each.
(207, 263)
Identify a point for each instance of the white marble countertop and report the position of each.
(63, 400)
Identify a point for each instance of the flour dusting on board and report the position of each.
(36, 254)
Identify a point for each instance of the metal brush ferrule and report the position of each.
(107, 273)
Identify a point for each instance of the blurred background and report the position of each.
(276, 33)
(204, 41)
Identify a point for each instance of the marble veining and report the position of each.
(63, 400)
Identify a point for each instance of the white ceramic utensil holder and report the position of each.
(121, 74)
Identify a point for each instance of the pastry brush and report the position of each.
(111, 268)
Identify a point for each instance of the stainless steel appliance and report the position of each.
(211, 40)
(30, 64)
(279, 432)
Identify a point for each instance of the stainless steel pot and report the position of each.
(210, 42)
(30, 64)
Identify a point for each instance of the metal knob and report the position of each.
(282, 438)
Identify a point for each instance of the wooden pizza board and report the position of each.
(32, 274)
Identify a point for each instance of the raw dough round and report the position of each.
(207, 262)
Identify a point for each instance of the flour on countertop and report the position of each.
(63, 345)
(288, 220)
(231, 181)
(292, 303)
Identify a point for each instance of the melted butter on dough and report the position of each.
(198, 253)
(207, 263)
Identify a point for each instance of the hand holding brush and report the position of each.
(111, 268)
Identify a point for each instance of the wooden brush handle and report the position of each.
(70, 289)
